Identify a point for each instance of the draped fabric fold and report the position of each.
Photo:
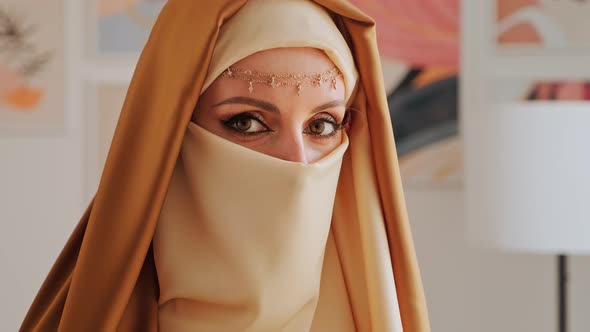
(105, 278)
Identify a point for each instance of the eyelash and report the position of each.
(329, 119)
(230, 124)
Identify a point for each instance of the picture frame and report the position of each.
(32, 69)
(534, 27)
(119, 29)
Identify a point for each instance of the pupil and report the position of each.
(318, 127)
(244, 124)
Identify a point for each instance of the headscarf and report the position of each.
(266, 24)
(105, 278)
(257, 225)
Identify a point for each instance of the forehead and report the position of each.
(291, 59)
(280, 61)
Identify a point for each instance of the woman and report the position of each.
(272, 210)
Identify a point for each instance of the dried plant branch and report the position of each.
(13, 31)
(35, 64)
(16, 46)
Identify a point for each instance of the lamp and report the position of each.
(527, 180)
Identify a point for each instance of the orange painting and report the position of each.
(32, 82)
(21, 61)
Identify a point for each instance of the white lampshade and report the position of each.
(527, 176)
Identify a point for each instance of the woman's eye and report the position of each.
(243, 124)
(246, 124)
(321, 127)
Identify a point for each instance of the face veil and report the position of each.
(105, 278)
(240, 242)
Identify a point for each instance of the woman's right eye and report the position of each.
(247, 124)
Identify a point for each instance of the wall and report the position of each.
(42, 190)
(470, 289)
(40, 202)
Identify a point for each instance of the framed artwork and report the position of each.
(32, 79)
(424, 97)
(542, 24)
(122, 27)
(423, 108)
(421, 69)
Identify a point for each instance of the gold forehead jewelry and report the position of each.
(282, 80)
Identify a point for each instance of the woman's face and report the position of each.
(276, 121)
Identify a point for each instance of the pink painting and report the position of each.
(423, 36)
(406, 28)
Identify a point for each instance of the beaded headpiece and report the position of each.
(283, 80)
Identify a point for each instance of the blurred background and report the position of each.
(490, 107)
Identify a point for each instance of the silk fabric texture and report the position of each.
(256, 225)
(105, 278)
(266, 24)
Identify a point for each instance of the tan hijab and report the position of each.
(265, 24)
(105, 278)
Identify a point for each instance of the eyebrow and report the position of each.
(333, 103)
(272, 107)
(250, 101)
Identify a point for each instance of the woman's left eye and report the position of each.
(322, 128)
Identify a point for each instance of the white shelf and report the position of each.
(536, 66)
